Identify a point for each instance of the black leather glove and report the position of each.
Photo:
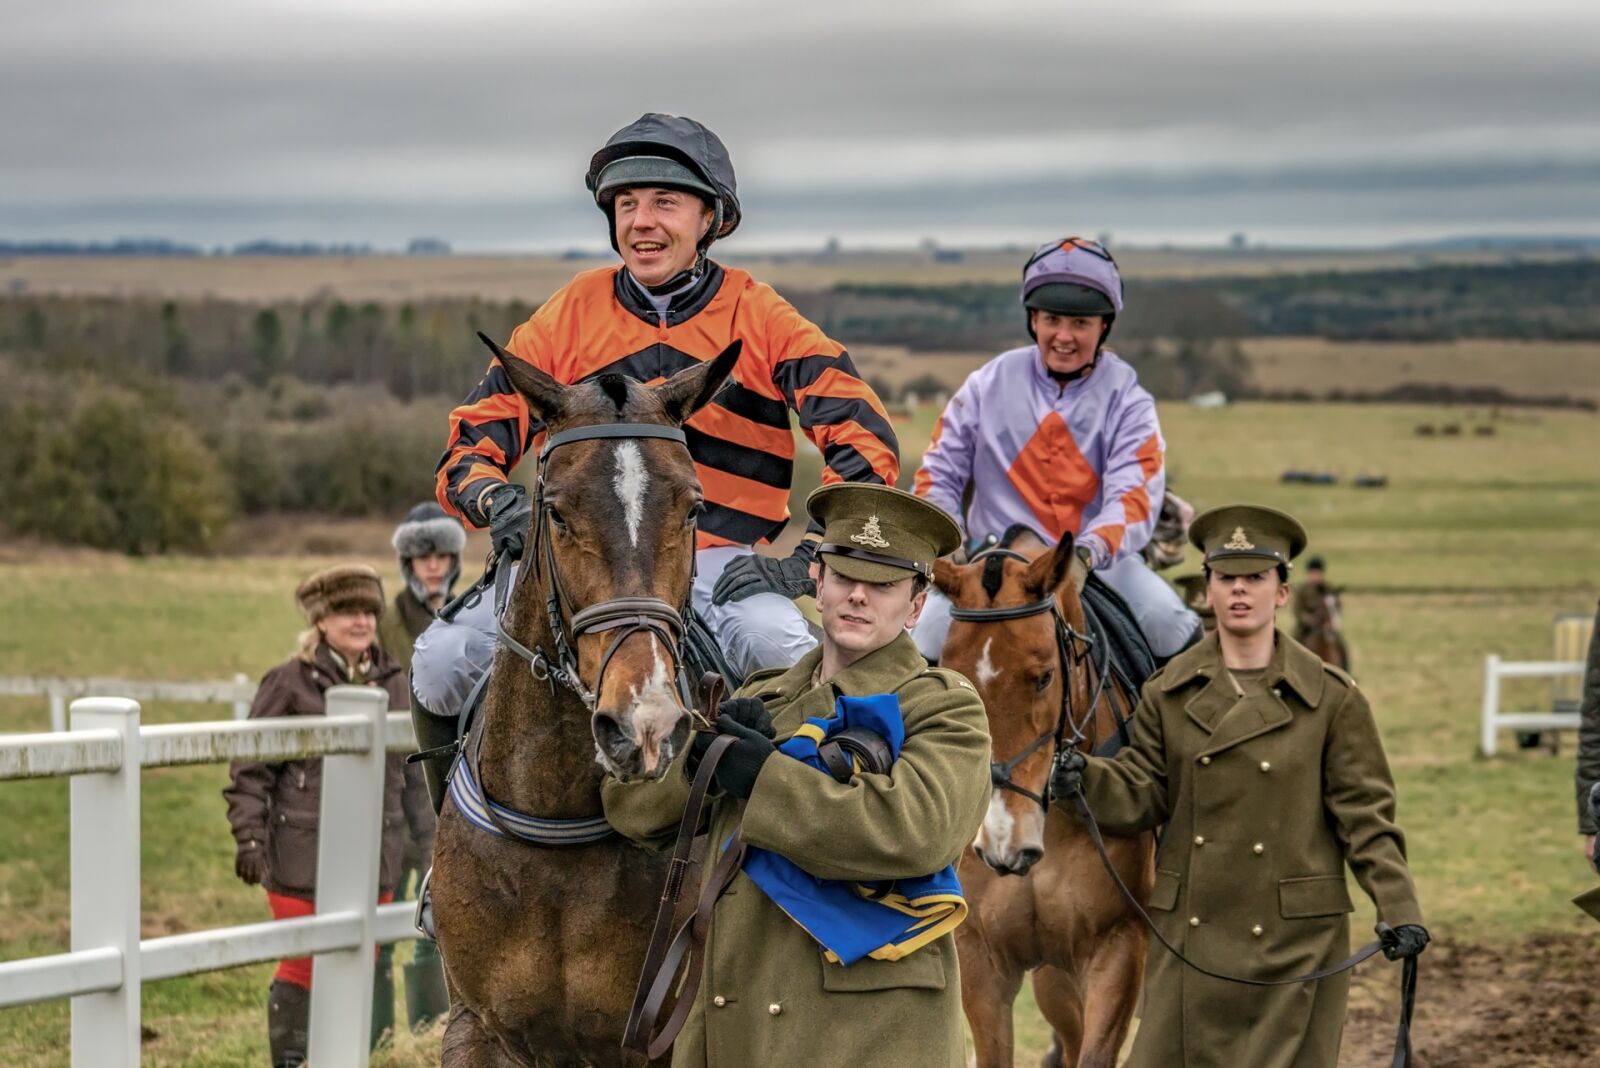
(753, 574)
(250, 862)
(748, 712)
(1066, 778)
(1407, 940)
(737, 771)
(509, 513)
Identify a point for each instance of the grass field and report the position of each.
(1474, 546)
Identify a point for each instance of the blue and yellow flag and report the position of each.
(884, 920)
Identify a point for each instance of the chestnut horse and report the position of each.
(1040, 899)
(1325, 635)
(543, 943)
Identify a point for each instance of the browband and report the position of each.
(611, 430)
(1020, 611)
(925, 570)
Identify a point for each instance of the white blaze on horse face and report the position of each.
(987, 672)
(654, 711)
(631, 483)
(994, 837)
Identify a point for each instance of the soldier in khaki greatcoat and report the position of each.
(770, 995)
(1267, 771)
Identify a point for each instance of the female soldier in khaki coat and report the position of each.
(768, 995)
(1266, 769)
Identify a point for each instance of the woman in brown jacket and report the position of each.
(274, 807)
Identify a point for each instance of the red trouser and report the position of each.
(297, 970)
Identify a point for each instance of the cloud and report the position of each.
(253, 111)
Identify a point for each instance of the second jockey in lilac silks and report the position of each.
(1059, 436)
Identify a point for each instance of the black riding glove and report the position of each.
(753, 574)
(509, 513)
(1407, 940)
(1067, 777)
(748, 711)
(737, 770)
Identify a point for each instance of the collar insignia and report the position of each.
(1238, 541)
(870, 535)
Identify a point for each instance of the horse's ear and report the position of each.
(543, 392)
(946, 577)
(690, 390)
(1049, 570)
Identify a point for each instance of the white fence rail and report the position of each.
(238, 693)
(1494, 720)
(103, 754)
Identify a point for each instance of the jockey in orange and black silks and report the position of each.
(1059, 437)
(666, 186)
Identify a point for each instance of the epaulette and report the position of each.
(758, 677)
(952, 679)
(1341, 674)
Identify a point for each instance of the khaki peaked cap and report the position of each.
(1243, 539)
(874, 533)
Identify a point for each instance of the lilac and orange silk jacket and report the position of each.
(1084, 458)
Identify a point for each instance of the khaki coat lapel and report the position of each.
(1211, 704)
(1249, 717)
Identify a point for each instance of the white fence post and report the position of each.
(241, 709)
(105, 887)
(1491, 703)
(350, 836)
(58, 712)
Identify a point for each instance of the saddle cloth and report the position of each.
(883, 920)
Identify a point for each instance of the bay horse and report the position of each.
(1325, 635)
(543, 943)
(1040, 900)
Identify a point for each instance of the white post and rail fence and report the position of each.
(103, 753)
(1557, 717)
(238, 693)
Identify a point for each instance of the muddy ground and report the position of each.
(1531, 1004)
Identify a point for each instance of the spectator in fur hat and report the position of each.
(429, 543)
(275, 807)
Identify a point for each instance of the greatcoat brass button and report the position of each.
(774, 1008)
(1259, 848)
(719, 1001)
(1266, 765)
(1194, 921)
(1205, 760)
(1257, 930)
(1199, 839)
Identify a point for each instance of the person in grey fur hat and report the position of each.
(429, 543)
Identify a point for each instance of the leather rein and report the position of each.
(1068, 641)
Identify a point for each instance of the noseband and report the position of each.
(1068, 641)
(625, 616)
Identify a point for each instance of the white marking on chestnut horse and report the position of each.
(987, 672)
(997, 827)
(654, 710)
(631, 483)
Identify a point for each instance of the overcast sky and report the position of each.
(1361, 121)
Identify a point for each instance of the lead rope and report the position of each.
(1408, 974)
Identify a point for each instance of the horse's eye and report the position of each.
(1044, 681)
(559, 520)
(696, 510)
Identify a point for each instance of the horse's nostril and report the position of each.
(609, 733)
(1027, 858)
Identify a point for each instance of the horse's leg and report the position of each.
(1111, 991)
(468, 1045)
(1062, 1006)
(987, 991)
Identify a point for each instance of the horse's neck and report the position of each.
(538, 754)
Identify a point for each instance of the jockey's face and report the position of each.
(1245, 604)
(349, 633)
(658, 231)
(431, 570)
(861, 617)
(1067, 343)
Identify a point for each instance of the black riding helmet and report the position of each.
(671, 152)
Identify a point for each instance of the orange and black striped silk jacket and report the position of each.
(741, 442)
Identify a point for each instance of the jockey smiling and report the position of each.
(1059, 436)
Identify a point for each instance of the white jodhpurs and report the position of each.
(765, 630)
(1159, 611)
(762, 631)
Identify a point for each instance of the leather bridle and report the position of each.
(624, 616)
(1068, 641)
